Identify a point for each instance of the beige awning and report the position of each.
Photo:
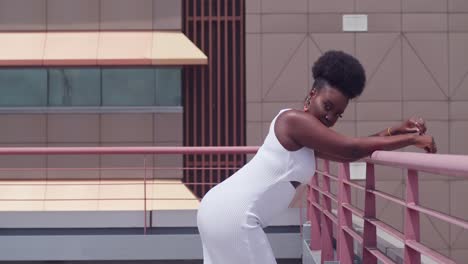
(98, 48)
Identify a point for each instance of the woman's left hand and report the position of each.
(413, 125)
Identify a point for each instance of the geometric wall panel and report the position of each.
(457, 6)
(253, 6)
(23, 15)
(432, 50)
(277, 52)
(314, 54)
(458, 66)
(278, 6)
(377, 6)
(434, 232)
(372, 48)
(379, 111)
(379, 54)
(253, 65)
(458, 209)
(73, 15)
(335, 41)
(115, 15)
(424, 6)
(458, 142)
(329, 6)
(290, 84)
(430, 110)
(461, 93)
(384, 83)
(391, 213)
(439, 130)
(418, 82)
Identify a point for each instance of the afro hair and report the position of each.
(341, 71)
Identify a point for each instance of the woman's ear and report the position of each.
(313, 92)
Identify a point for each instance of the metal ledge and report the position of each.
(91, 109)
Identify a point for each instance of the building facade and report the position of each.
(414, 52)
(415, 56)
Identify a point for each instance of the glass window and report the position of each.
(23, 87)
(94, 87)
(128, 87)
(168, 87)
(74, 87)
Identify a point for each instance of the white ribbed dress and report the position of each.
(232, 215)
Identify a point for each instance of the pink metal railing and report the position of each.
(123, 150)
(322, 218)
(320, 197)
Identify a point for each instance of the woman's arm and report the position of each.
(390, 131)
(306, 130)
(412, 125)
(332, 157)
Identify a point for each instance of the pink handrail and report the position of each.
(322, 217)
(125, 150)
(453, 165)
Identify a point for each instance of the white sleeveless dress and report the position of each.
(232, 215)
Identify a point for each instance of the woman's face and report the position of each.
(327, 105)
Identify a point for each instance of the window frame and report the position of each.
(101, 108)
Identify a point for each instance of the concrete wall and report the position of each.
(416, 59)
(41, 15)
(93, 129)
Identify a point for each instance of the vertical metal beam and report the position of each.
(219, 83)
(412, 218)
(193, 109)
(233, 91)
(327, 224)
(345, 241)
(370, 231)
(145, 224)
(242, 119)
(202, 102)
(210, 88)
(226, 86)
(211, 107)
(315, 213)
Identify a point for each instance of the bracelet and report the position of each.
(388, 132)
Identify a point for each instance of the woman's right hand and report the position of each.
(427, 143)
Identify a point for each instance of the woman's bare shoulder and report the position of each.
(285, 122)
(293, 116)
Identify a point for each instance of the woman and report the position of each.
(232, 215)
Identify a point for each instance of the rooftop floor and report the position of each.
(95, 195)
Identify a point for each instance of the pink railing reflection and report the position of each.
(323, 219)
(143, 169)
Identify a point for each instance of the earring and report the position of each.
(307, 104)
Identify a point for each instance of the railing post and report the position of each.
(327, 228)
(370, 231)
(345, 241)
(144, 196)
(412, 227)
(314, 214)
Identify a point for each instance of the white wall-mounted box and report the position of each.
(355, 23)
